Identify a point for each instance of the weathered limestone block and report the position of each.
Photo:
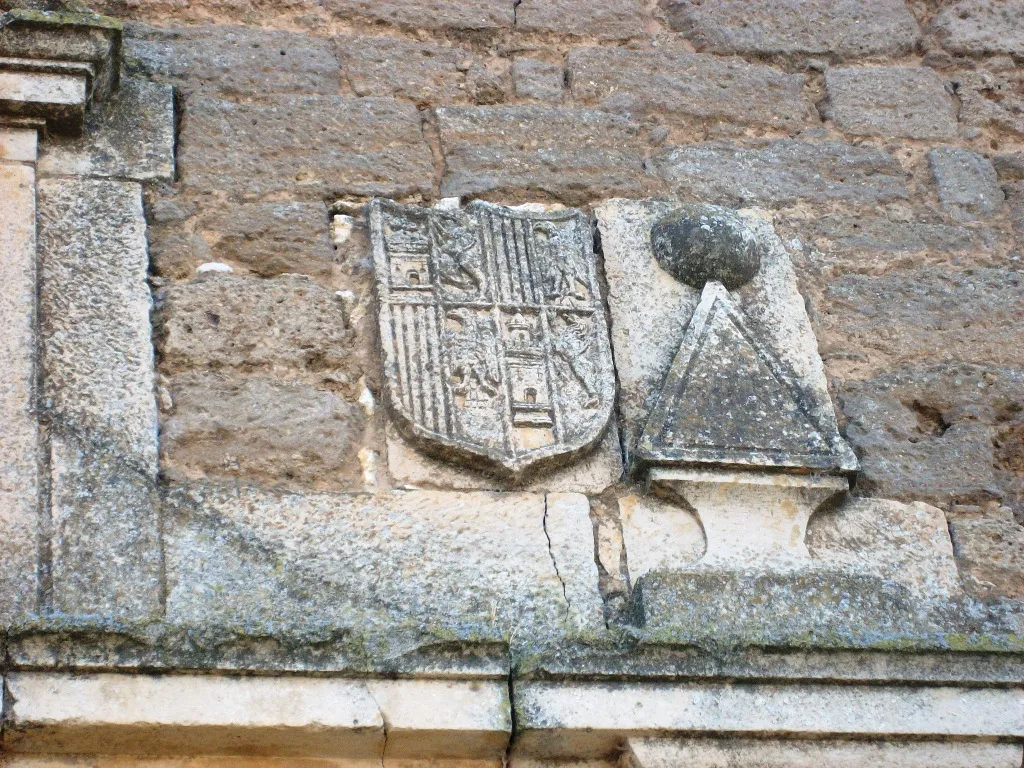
(130, 136)
(709, 89)
(979, 27)
(573, 155)
(782, 172)
(841, 28)
(99, 382)
(226, 321)
(989, 545)
(920, 316)
(765, 753)
(19, 446)
(967, 182)
(94, 314)
(540, 80)
(484, 15)
(605, 20)
(59, 100)
(316, 147)
(391, 572)
(270, 239)
(263, 430)
(424, 72)
(658, 534)
(592, 474)
(232, 61)
(890, 101)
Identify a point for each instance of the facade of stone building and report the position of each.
(512, 382)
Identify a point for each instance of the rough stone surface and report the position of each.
(94, 309)
(268, 239)
(481, 15)
(782, 172)
(128, 137)
(931, 433)
(978, 27)
(841, 28)
(991, 100)
(19, 448)
(539, 80)
(989, 548)
(420, 71)
(706, 88)
(261, 429)
(573, 155)
(658, 534)
(316, 147)
(967, 181)
(232, 61)
(890, 101)
(605, 20)
(924, 315)
(98, 367)
(379, 567)
(696, 243)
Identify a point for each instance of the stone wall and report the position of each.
(885, 140)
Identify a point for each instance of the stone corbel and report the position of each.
(54, 65)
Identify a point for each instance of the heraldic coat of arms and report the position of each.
(495, 343)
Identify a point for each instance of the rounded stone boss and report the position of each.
(698, 243)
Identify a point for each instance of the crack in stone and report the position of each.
(554, 560)
(384, 720)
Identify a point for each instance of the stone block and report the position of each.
(697, 86)
(539, 80)
(910, 102)
(844, 29)
(982, 27)
(130, 136)
(225, 321)
(20, 446)
(261, 430)
(1009, 166)
(782, 173)
(591, 474)
(315, 147)
(482, 15)
(58, 99)
(94, 316)
(566, 522)
(232, 61)
(424, 72)
(573, 155)
(391, 571)
(990, 550)
(767, 753)
(921, 316)
(269, 239)
(605, 20)
(967, 182)
(991, 100)
(658, 535)
(19, 145)
(107, 559)
(927, 432)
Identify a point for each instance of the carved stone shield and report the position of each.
(495, 343)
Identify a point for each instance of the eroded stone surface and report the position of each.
(983, 27)
(989, 547)
(890, 101)
(706, 88)
(573, 155)
(841, 28)
(536, 79)
(130, 136)
(605, 20)
(315, 147)
(782, 173)
(967, 181)
(484, 15)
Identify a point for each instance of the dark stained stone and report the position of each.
(696, 244)
(686, 84)
(573, 155)
(910, 102)
(316, 147)
(841, 28)
(782, 172)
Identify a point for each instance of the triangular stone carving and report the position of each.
(729, 400)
